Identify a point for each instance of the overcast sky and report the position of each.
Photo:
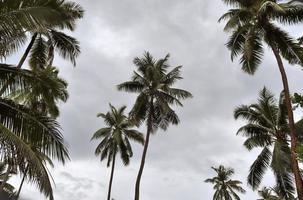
(113, 33)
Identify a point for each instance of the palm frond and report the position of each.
(38, 56)
(252, 52)
(34, 128)
(288, 47)
(67, 46)
(131, 86)
(258, 168)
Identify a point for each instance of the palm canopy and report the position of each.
(42, 97)
(267, 128)
(225, 188)
(272, 194)
(116, 136)
(267, 194)
(252, 22)
(22, 127)
(39, 17)
(153, 83)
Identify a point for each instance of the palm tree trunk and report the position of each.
(6, 177)
(111, 177)
(292, 129)
(28, 49)
(20, 187)
(149, 130)
(21, 62)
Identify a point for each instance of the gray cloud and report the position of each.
(111, 35)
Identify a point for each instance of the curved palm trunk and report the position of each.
(149, 130)
(293, 137)
(21, 62)
(21, 185)
(111, 177)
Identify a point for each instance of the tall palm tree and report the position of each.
(115, 139)
(22, 127)
(255, 22)
(267, 128)
(153, 83)
(225, 188)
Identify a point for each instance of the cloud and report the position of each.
(111, 35)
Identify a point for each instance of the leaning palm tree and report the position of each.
(115, 139)
(153, 83)
(267, 128)
(255, 22)
(225, 188)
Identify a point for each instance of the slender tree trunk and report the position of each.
(111, 177)
(28, 49)
(292, 129)
(21, 62)
(6, 177)
(149, 130)
(20, 187)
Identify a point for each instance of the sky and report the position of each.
(112, 33)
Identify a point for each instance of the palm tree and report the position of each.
(115, 138)
(22, 127)
(18, 17)
(254, 22)
(40, 18)
(42, 98)
(225, 188)
(47, 38)
(267, 128)
(153, 83)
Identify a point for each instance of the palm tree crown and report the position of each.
(115, 138)
(253, 22)
(116, 135)
(267, 128)
(153, 83)
(42, 19)
(272, 194)
(225, 188)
